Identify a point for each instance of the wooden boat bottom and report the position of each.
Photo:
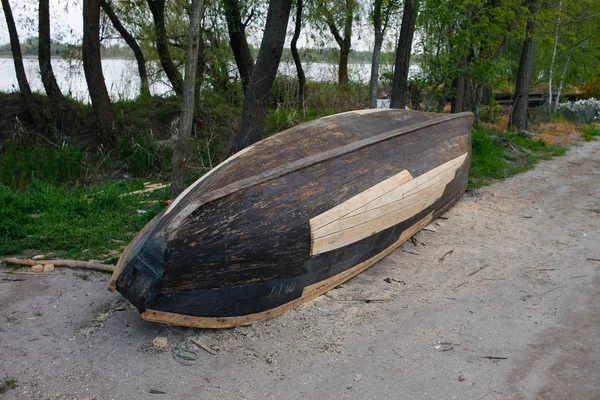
(309, 293)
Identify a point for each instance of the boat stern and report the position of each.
(140, 268)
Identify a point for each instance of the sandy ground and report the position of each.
(512, 313)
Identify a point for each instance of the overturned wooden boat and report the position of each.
(295, 215)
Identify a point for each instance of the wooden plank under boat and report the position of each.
(294, 215)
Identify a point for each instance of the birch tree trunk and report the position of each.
(562, 79)
(551, 71)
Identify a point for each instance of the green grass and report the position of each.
(590, 132)
(80, 223)
(500, 155)
(19, 165)
(7, 384)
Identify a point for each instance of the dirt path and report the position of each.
(521, 287)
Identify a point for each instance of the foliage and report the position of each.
(7, 384)
(81, 223)
(580, 111)
(499, 155)
(590, 132)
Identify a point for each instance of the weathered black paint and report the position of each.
(249, 251)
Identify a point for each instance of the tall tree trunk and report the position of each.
(296, 55)
(157, 8)
(402, 64)
(92, 67)
(551, 71)
(518, 116)
(344, 42)
(15, 47)
(375, 71)
(200, 70)
(460, 84)
(181, 153)
(343, 66)
(263, 74)
(477, 102)
(562, 79)
(377, 23)
(132, 43)
(238, 42)
(45, 56)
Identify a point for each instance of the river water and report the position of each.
(122, 79)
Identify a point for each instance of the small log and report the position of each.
(63, 263)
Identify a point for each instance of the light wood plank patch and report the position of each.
(380, 207)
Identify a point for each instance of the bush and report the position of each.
(581, 111)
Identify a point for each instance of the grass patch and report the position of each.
(284, 118)
(19, 165)
(80, 223)
(590, 132)
(7, 384)
(500, 155)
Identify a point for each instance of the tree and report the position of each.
(581, 25)
(92, 67)
(339, 20)
(44, 56)
(263, 75)
(157, 8)
(296, 55)
(238, 41)
(15, 47)
(187, 115)
(402, 64)
(131, 42)
(518, 116)
(382, 11)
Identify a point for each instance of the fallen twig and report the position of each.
(62, 263)
(495, 358)
(578, 276)
(203, 346)
(478, 269)
(593, 259)
(410, 252)
(446, 255)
